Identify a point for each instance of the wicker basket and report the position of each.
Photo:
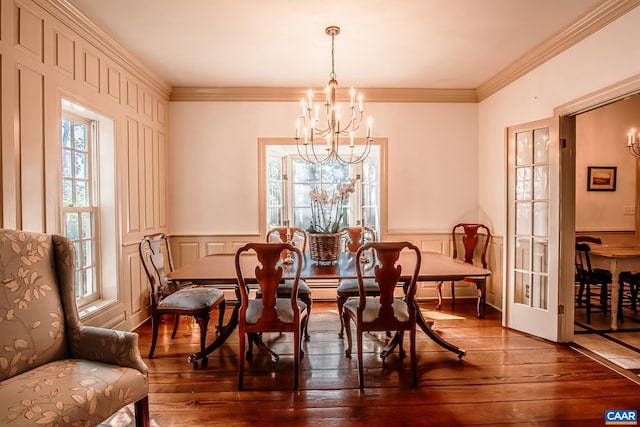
(324, 247)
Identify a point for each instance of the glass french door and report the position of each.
(532, 286)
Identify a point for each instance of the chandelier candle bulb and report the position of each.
(631, 138)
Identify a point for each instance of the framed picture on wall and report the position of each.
(601, 178)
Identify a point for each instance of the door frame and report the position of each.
(565, 120)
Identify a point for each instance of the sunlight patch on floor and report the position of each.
(438, 315)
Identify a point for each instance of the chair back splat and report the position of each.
(352, 239)
(298, 238)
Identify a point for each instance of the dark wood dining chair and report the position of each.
(168, 297)
(589, 277)
(470, 238)
(353, 238)
(298, 238)
(593, 241)
(628, 292)
(385, 312)
(270, 313)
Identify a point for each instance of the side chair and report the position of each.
(271, 312)
(170, 298)
(298, 238)
(385, 312)
(470, 239)
(353, 238)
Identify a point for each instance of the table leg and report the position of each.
(482, 296)
(425, 325)
(615, 289)
(224, 334)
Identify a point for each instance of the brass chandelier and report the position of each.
(319, 143)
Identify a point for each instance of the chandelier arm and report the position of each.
(358, 158)
(313, 157)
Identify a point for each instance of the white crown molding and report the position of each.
(595, 19)
(288, 94)
(76, 21)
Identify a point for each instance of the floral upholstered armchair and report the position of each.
(54, 371)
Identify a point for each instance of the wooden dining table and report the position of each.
(219, 270)
(616, 259)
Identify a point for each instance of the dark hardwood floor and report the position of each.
(506, 378)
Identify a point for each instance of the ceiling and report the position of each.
(452, 44)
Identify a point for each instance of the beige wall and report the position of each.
(47, 54)
(432, 163)
(601, 140)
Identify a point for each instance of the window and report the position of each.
(88, 208)
(78, 201)
(289, 180)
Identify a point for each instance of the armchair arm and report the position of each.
(107, 346)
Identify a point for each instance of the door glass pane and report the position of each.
(523, 253)
(541, 145)
(540, 254)
(541, 182)
(523, 148)
(522, 288)
(523, 183)
(539, 291)
(540, 218)
(523, 218)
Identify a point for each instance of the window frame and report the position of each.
(84, 295)
(265, 143)
(105, 202)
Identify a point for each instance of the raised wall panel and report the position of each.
(113, 83)
(188, 252)
(133, 181)
(162, 112)
(31, 118)
(91, 67)
(435, 245)
(138, 288)
(147, 106)
(211, 248)
(132, 95)
(149, 177)
(30, 32)
(64, 54)
(163, 184)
